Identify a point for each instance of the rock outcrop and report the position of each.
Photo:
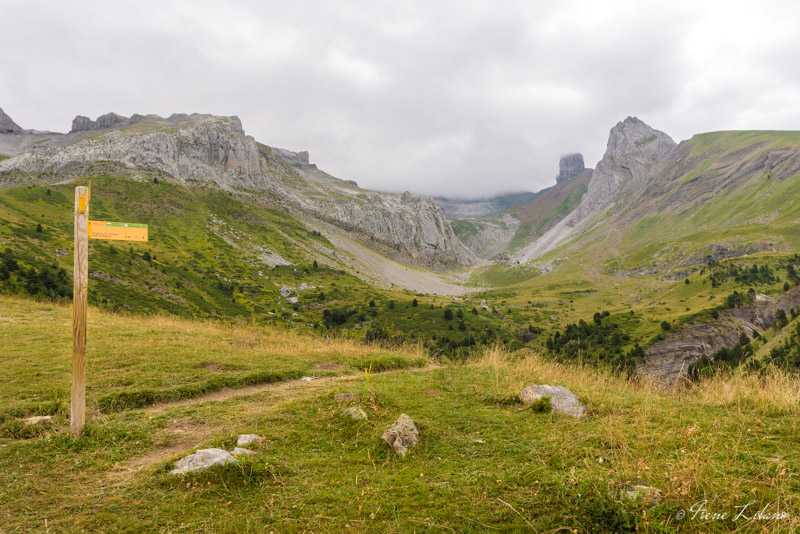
(299, 160)
(569, 167)
(7, 124)
(669, 360)
(634, 155)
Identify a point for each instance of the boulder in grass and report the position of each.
(647, 495)
(562, 399)
(247, 439)
(401, 435)
(354, 412)
(202, 460)
(238, 451)
(38, 420)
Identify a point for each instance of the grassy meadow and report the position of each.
(484, 463)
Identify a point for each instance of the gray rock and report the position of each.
(238, 451)
(484, 305)
(39, 420)
(354, 412)
(401, 435)
(292, 300)
(81, 124)
(646, 494)
(286, 291)
(201, 460)
(562, 399)
(247, 439)
(303, 287)
(344, 396)
(7, 124)
(295, 159)
(633, 156)
(103, 122)
(570, 166)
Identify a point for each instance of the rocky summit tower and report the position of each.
(569, 167)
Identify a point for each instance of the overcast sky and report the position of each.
(462, 98)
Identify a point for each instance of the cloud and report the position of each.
(463, 98)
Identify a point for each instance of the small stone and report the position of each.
(647, 494)
(303, 287)
(202, 460)
(286, 291)
(344, 396)
(562, 399)
(292, 300)
(354, 412)
(238, 451)
(307, 378)
(247, 439)
(39, 420)
(484, 305)
(401, 435)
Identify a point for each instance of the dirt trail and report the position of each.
(184, 434)
(229, 393)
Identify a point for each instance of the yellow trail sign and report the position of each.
(117, 231)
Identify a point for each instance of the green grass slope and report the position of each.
(484, 463)
(736, 189)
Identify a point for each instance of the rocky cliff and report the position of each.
(208, 148)
(669, 360)
(569, 167)
(7, 125)
(634, 155)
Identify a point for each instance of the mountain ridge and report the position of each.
(206, 148)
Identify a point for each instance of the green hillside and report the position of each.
(209, 255)
(737, 189)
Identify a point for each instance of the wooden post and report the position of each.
(80, 290)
